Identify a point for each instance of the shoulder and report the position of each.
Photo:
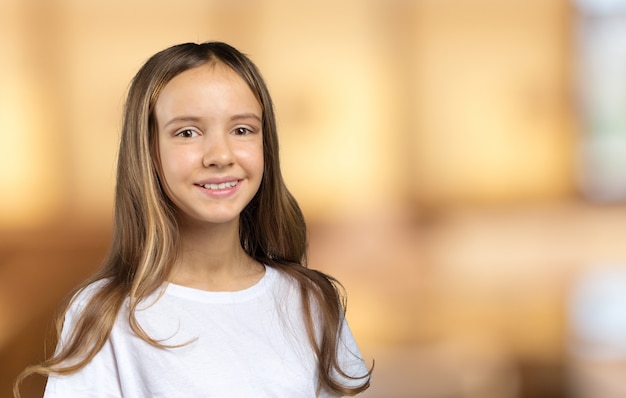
(281, 285)
(290, 283)
(278, 276)
(301, 276)
(83, 295)
(304, 292)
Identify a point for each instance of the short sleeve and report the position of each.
(98, 379)
(350, 360)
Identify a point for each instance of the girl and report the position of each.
(205, 291)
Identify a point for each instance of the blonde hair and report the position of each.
(145, 236)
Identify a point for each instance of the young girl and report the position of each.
(205, 291)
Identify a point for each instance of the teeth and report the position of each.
(223, 185)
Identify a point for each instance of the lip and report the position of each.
(218, 180)
(219, 193)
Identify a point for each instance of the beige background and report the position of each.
(431, 143)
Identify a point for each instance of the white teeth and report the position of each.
(223, 185)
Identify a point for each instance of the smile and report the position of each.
(223, 185)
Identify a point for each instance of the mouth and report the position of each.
(220, 186)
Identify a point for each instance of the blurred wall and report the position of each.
(378, 102)
(492, 106)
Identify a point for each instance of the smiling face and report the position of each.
(210, 142)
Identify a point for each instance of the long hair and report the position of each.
(146, 241)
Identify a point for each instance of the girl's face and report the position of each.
(210, 143)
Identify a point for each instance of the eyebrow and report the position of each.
(182, 119)
(246, 116)
(241, 116)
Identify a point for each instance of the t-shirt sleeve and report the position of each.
(98, 379)
(350, 360)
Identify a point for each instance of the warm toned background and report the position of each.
(438, 148)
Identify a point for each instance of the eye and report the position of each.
(187, 133)
(242, 131)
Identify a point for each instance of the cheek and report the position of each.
(166, 165)
(250, 156)
(176, 162)
(258, 158)
(254, 159)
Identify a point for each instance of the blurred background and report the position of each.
(461, 165)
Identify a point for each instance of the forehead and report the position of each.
(208, 89)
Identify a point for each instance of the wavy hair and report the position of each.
(145, 239)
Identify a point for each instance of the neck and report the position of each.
(212, 258)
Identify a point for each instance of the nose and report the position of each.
(218, 152)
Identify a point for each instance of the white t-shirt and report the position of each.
(249, 343)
